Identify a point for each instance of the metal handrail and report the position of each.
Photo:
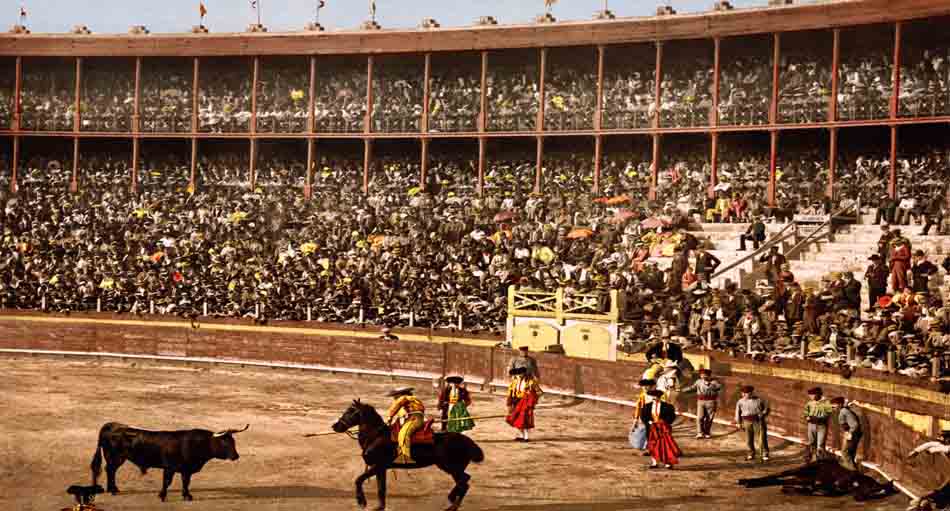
(774, 240)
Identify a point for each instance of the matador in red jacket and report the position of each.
(899, 260)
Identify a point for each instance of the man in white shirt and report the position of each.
(904, 209)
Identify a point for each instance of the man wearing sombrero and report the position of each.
(523, 395)
(409, 406)
(454, 401)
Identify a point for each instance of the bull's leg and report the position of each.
(185, 483)
(167, 476)
(112, 466)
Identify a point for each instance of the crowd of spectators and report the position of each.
(340, 103)
(454, 100)
(570, 98)
(400, 255)
(282, 97)
(629, 99)
(108, 98)
(398, 91)
(224, 103)
(166, 99)
(745, 90)
(47, 101)
(513, 98)
(865, 85)
(686, 92)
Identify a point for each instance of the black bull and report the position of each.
(826, 477)
(185, 452)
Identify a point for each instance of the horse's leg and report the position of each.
(460, 489)
(381, 488)
(360, 496)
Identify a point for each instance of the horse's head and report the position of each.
(352, 417)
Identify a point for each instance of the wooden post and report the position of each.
(891, 359)
(717, 74)
(367, 157)
(194, 164)
(803, 348)
(136, 103)
(776, 57)
(74, 182)
(896, 72)
(835, 66)
(77, 101)
(892, 179)
(773, 165)
(655, 168)
(657, 93)
(252, 164)
(424, 164)
(311, 93)
(539, 170)
(599, 110)
(308, 179)
(713, 163)
(598, 156)
(368, 120)
(14, 164)
(426, 93)
(934, 368)
(481, 165)
(194, 107)
(483, 115)
(134, 177)
(17, 95)
(254, 83)
(542, 78)
(832, 163)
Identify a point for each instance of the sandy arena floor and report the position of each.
(579, 459)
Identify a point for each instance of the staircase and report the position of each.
(847, 250)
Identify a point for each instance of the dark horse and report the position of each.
(451, 452)
(825, 477)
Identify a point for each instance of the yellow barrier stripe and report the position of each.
(895, 389)
(248, 328)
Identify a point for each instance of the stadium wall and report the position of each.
(900, 412)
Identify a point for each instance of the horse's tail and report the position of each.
(474, 451)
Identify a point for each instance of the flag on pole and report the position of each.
(372, 10)
(202, 10)
(253, 4)
(548, 4)
(321, 4)
(22, 12)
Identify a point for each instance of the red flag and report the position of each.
(202, 10)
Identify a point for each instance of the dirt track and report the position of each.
(579, 459)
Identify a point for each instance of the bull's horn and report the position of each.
(231, 431)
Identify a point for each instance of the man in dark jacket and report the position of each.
(706, 265)
(876, 276)
(773, 264)
(851, 289)
(678, 268)
(658, 417)
(934, 214)
(885, 209)
(922, 269)
(755, 233)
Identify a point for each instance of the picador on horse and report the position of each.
(409, 445)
